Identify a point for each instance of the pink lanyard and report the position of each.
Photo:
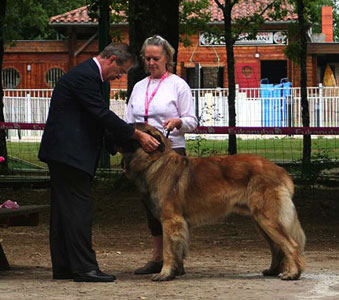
(148, 100)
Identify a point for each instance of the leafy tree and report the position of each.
(25, 19)
(232, 31)
(173, 20)
(297, 51)
(145, 19)
(193, 16)
(313, 10)
(309, 15)
(303, 25)
(336, 21)
(28, 19)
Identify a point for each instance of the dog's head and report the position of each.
(132, 145)
(132, 149)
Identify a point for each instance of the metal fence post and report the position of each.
(318, 107)
(197, 86)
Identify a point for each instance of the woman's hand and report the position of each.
(170, 124)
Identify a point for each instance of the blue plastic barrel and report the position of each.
(274, 102)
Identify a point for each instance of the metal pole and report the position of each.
(197, 87)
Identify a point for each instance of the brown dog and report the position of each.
(193, 191)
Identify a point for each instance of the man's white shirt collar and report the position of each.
(99, 66)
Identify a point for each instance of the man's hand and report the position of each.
(170, 124)
(147, 142)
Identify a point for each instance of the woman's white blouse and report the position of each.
(172, 100)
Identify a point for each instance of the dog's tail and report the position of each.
(289, 219)
(298, 234)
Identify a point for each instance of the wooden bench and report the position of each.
(26, 215)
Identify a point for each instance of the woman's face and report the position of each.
(155, 60)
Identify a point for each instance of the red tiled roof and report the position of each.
(78, 15)
(248, 8)
(242, 9)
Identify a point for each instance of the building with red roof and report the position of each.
(38, 64)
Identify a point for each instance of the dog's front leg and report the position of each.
(175, 235)
(167, 271)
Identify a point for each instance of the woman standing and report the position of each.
(164, 100)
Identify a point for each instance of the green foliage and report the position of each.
(313, 19)
(311, 172)
(57, 7)
(119, 10)
(314, 10)
(25, 19)
(28, 19)
(249, 24)
(278, 149)
(336, 22)
(121, 95)
(193, 16)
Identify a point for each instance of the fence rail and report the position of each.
(255, 107)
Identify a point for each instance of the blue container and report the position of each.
(266, 92)
(274, 104)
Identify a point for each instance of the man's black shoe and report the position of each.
(93, 276)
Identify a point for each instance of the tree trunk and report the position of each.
(104, 40)
(303, 83)
(232, 142)
(145, 19)
(3, 148)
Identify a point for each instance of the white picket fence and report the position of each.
(255, 107)
(280, 107)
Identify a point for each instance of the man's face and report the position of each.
(114, 71)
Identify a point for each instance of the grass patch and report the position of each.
(285, 149)
(282, 149)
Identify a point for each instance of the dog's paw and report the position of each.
(290, 275)
(179, 270)
(163, 276)
(271, 272)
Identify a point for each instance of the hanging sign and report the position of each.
(262, 38)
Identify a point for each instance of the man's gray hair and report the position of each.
(121, 50)
(157, 40)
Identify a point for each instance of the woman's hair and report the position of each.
(157, 40)
(122, 51)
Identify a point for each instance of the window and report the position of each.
(192, 79)
(210, 77)
(10, 78)
(53, 76)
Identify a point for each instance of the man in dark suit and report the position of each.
(71, 146)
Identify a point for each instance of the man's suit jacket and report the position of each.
(77, 118)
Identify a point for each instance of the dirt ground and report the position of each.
(225, 260)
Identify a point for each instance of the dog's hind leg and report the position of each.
(175, 234)
(292, 263)
(276, 252)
